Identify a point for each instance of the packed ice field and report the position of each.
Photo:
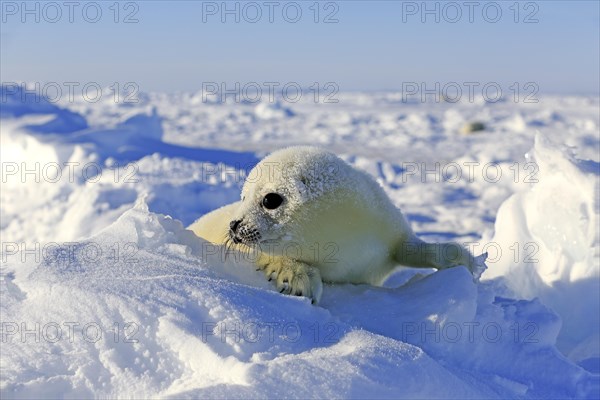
(106, 294)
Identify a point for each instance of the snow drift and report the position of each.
(554, 226)
(169, 316)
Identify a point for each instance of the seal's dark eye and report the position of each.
(271, 201)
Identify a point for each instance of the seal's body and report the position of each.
(315, 218)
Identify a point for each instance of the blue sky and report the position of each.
(375, 45)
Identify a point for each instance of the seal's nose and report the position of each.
(233, 225)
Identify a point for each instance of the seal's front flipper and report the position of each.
(296, 278)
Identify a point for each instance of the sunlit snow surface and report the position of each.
(105, 294)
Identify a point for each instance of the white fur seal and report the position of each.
(315, 218)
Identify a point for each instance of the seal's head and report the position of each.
(278, 194)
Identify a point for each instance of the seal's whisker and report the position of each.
(228, 247)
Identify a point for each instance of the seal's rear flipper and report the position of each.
(419, 254)
(479, 266)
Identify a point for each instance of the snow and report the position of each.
(105, 294)
(559, 241)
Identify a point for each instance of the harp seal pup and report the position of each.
(313, 218)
